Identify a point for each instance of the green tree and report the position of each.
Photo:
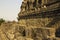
(1, 20)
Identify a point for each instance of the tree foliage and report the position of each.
(1, 20)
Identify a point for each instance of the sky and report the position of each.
(9, 9)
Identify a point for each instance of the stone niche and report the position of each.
(57, 33)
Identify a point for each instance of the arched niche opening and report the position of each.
(40, 1)
(36, 2)
(57, 33)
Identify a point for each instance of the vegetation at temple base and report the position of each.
(1, 20)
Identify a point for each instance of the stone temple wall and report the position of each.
(40, 27)
(37, 20)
